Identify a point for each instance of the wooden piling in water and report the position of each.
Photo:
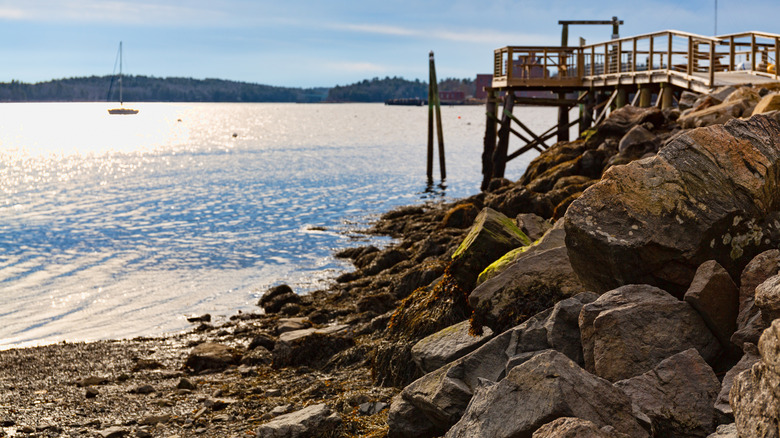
(489, 144)
(434, 106)
(499, 154)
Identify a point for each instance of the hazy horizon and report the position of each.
(311, 44)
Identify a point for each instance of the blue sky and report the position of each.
(323, 43)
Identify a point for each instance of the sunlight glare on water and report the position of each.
(118, 226)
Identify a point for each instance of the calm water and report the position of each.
(117, 226)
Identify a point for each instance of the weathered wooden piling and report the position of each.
(434, 106)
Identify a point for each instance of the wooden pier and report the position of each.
(603, 76)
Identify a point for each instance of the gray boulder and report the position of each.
(768, 299)
(275, 298)
(572, 427)
(637, 141)
(211, 356)
(312, 346)
(750, 323)
(630, 330)
(725, 431)
(748, 359)
(715, 296)
(678, 395)
(314, 420)
(532, 225)
(542, 389)
(408, 421)
(441, 348)
(754, 395)
(442, 396)
(707, 195)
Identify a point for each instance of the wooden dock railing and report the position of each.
(687, 60)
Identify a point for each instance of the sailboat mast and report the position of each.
(120, 73)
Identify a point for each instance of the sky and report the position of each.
(298, 43)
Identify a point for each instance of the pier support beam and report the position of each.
(489, 145)
(622, 98)
(667, 95)
(586, 112)
(645, 96)
(499, 155)
(563, 120)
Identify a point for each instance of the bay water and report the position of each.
(121, 226)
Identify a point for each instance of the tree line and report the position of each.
(152, 89)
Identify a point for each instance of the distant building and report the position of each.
(482, 81)
(452, 97)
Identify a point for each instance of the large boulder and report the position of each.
(768, 299)
(754, 396)
(717, 114)
(491, 236)
(546, 387)
(622, 120)
(630, 330)
(442, 396)
(211, 356)
(750, 322)
(709, 194)
(572, 427)
(745, 363)
(715, 296)
(441, 348)
(678, 395)
(769, 103)
(314, 420)
(312, 346)
(275, 298)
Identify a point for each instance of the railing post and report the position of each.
(650, 55)
(633, 58)
(712, 64)
(510, 65)
(752, 52)
(593, 60)
(731, 53)
(544, 75)
(777, 54)
(689, 70)
(619, 52)
(580, 63)
(669, 62)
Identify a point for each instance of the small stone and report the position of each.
(91, 380)
(273, 392)
(91, 392)
(140, 433)
(7, 423)
(199, 414)
(143, 389)
(147, 364)
(202, 318)
(185, 383)
(114, 432)
(154, 419)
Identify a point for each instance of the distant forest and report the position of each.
(152, 89)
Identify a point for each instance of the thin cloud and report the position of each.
(478, 36)
(356, 67)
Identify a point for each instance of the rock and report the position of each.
(678, 395)
(748, 359)
(527, 286)
(379, 302)
(441, 348)
(202, 318)
(491, 236)
(385, 260)
(572, 427)
(263, 340)
(460, 216)
(276, 297)
(532, 225)
(114, 432)
(542, 389)
(754, 396)
(407, 421)
(142, 389)
(311, 347)
(637, 141)
(314, 420)
(769, 103)
(185, 383)
(716, 114)
(715, 296)
(687, 99)
(768, 299)
(630, 330)
(750, 323)
(707, 195)
(725, 431)
(743, 93)
(218, 404)
(211, 356)
(285, 325)
(146, 364)
(442, 396)
(371, 408)
(91, 392)
(623, 119)
(91, 381)
(152, 420)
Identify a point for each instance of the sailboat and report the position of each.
(121, 110)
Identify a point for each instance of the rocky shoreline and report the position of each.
(626, 285)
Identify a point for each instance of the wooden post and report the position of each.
(752, 52)
(645, 96)
(586, 112)
(563, 120)
(712, 64)
(499, 154)
(434, 104)
(622, 98)
(667, 92)
(777, 56)
(689, 70)
(489, 144)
